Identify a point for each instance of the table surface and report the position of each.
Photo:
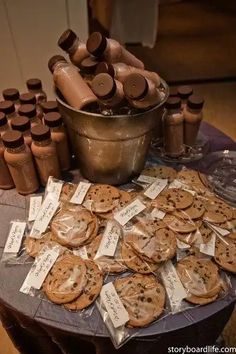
(13, 206)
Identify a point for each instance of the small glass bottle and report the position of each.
(76, 49)
(20, 162)
(111, 50)
(120, 71)
(4, 126)
(8, 108)
(22, 124)
(141, 92)
(12, 94)
(173, 128)
(45, 153)
(71, 84)
(108, 90)
(29, 111)
(35, 87)
(49, 106)
(87, 69)
(184, 92)
(27, 98)
(6, 181)
(192, 118)
(58, 134)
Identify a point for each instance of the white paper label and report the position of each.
(182, 245)
(128, 212)
(181, 253)
(219, 230)
(46, 212)
(116, 311)
(109, 240)
(34, 207)
(146, 179)
(80, 193)
(15, 237)
(180, 185)
(209, 247)
(54, 188)
(41, 267)
(82, 252)
(157, 214)
(175, 290)
(155, 188)
(25, 288)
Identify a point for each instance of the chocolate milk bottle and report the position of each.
(141, 92)
(87, 69)
(192, 119)
(111, 50)
(35, 87)
(71, 84)
(120, 71)
(184, 92)
(22, 125)
(27, 98)
(58, 134)
(76, 49)
(20, 162)
(173, 128)
(49, 106)
(8, 108)
(12, 94)
(44, 152)
(109, 91)
(6, 181)
(4, 126)
(29, 111)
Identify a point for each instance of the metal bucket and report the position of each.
(111, 149)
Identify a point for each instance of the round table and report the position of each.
(38, 326)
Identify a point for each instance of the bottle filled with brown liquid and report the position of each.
(192, 118)
(88, 67)
(13, 95)
(58, 134)
(76, 49)
(6, 181)
(49, 106)
(20, 162)
(29, 111)
(8, 108)
(184, 92)
(22, 124)
(45, 153)
(35, 87)
(4, 126)
(111, 50)
(70, 83)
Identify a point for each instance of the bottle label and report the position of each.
(15, 236)
(128, 212)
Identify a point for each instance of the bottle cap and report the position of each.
(20, 123)
(88, 65)
(28, 110)
(7, 107)
(12, 139)
(11, 94)
(173, 92)
(3, 119)
(34, 84)
(67, 39)
(96, 44)
(49, 106)
(54, 60)
(27, 98)
(103, 86)
(173, 103)
(184, 91)
(195, 102)
(104, 67)
(135, 86)
(53, 119)
(40, 132)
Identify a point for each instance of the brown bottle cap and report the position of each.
(27, 98)
(20, 123)
(54, 60)
(13, 139)
(49, 106)
(34, 84)
(135, 86)
(173, 103)
(28, 110)
(10, 94)
(195, 102)
(173, 92)
(96, 44)
(3, 119)
(103, 86)
(67, 39)
(88, 65)
(53, 119)
(184, 91)
(104, 67)
(7, 107)
(40, 132)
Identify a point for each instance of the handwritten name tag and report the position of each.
(155, 188)
(35, 204)
(15, 236)
(127, 213)
(109, 240)
(80, 193)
